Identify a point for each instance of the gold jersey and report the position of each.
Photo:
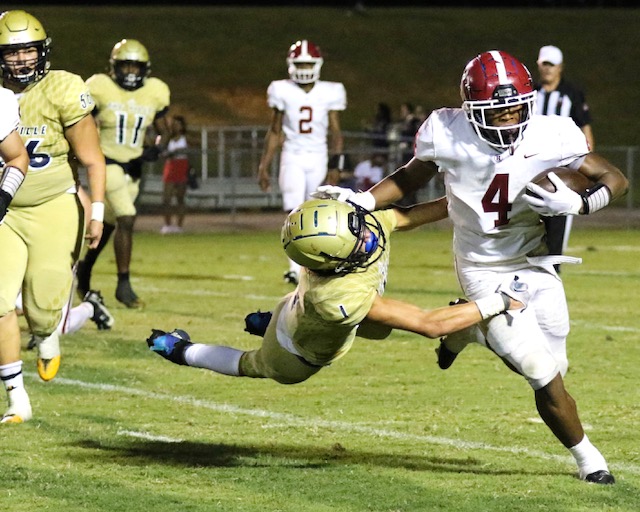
(123, 116)
(47, 107)
(322, 316)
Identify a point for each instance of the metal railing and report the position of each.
(227, 158)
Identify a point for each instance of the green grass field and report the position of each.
(384, 430)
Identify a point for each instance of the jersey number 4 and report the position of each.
(496, 199)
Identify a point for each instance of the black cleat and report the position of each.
(602, 477)
(126, 295)
(101, 315)
(445, 356)
(290, 277)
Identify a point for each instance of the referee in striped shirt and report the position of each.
(556, 96)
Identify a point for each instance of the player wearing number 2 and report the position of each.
(42, 233)
(489, 150)
(128, 102)
(305, 111)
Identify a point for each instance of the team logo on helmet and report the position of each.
(326, 235)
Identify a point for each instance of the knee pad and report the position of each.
(538, 367)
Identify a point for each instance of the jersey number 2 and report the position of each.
(303, 123)
(496, 199)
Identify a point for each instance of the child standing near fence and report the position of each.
(175, 176)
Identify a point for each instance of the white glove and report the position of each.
(517, 290)
(563, 201)
(364, 199)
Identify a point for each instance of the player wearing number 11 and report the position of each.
(305, 111)
(128, 102)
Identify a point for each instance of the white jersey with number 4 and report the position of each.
(493, 225)
(306, 114)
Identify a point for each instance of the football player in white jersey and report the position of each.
(489, 150)
(344, 257)
(306, 113)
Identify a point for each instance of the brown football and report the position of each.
(575, 180)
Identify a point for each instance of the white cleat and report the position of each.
(19, 409)
(48, 356)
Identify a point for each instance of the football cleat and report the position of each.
(127, 296)
(290, 277)
(256, 323)
(19, 409)
(48, 356)
(445, 356)
(602, 477)
(101, 316)
(33, 341)
(170, 345)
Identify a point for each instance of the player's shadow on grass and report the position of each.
(190, 454)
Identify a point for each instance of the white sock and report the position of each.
(77, 317)
(11, 375)
(588, 458)
(224, 360)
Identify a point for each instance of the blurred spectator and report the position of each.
(382, 122)
(408, 126)
(369, 172)
(175, 175)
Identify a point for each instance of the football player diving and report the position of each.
(128, 103)
(344, 253)
(489, 150)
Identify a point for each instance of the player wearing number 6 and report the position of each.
(305, 111)
(128, 103)
(489, 150)
(42, 233)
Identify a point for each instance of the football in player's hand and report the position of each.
(575, 180)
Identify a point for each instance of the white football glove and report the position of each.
(517, 290)
(563, 201)
(364, 199)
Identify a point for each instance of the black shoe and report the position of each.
(290, 277)
(170, 345)
(256, 323)
(602, 477)
(127, 296)
(101, 316)
(445, 356)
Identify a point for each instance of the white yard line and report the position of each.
(292, 420)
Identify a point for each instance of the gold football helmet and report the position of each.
(126, 53)
(20, 30)
(326, 235)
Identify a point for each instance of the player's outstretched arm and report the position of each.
(421, 213)
(441, 321)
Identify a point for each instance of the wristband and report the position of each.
(97, 211)
(11, 180)
(493, 305)
(595, 199)
(366, 200)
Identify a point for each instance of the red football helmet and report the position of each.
(493, 81)
(304, 52)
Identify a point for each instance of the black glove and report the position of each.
(151, 153)
(5, 200)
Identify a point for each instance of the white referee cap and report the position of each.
(551, 54)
